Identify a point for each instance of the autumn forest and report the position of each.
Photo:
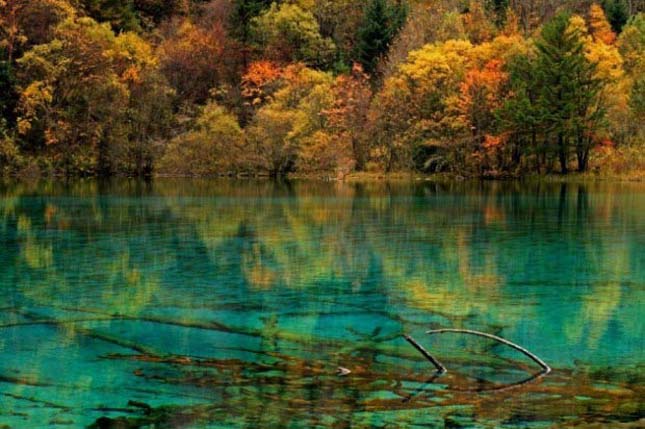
(490, 88)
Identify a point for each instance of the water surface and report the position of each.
(221, 304)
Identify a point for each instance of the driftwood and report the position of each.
(440, 368)
(142, 405)
(545, 368)
(505, 387)
(22, 381)
(36, 401)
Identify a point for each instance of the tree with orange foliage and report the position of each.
(600, 27)
(477, 24)
(348, 115)
(261, 80)
(482, 93)
(193, 59)
(258, 82)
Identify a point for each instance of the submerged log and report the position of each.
(545, 368)
(147, 409)
(36, 401)
(440, 368)
(22, 381)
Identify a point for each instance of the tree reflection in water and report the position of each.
(232, 304)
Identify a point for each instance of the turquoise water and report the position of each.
(208, 304)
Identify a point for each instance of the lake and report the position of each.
(233, 304)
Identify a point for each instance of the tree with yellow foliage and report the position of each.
(25, 23)
(281, 131)
(414, 112)
(631, 45)
(82, 94)
(289, 33)
(214, 146)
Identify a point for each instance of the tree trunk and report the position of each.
(562, 153)
(582, 152)
(537, 152)
(516, 155)
(358, 154)
(583, 159)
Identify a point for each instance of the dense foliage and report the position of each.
(222, 87)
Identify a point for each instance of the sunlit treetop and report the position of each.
(600, 27)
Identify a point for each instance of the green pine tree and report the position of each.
(121, 14)
(8, 95)
(569, 91)
(617, 13)
(243, 13)
(380, 25)
(498, 9)
(523, 114)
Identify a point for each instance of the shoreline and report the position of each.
(357, 177)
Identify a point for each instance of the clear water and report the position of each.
(207, 304)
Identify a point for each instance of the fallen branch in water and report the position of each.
(440, 368)
(147, 409)
(505, 387)
(35, 401)
(22, 381)
(545, 368)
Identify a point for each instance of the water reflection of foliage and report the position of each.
(453, 236)
(462, 259)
